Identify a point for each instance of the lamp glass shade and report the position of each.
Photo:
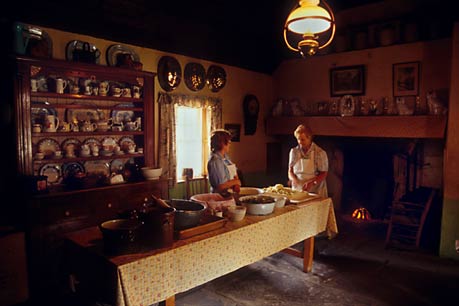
(309, 19)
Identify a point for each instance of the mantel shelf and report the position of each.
(364, 126)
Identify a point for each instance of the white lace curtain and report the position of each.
(167, 103)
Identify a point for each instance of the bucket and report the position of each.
(158, 227)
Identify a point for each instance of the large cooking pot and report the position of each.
(158, 226)
(187, 213)
(120, 236)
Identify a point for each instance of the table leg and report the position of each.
(307, 254)
(170, 301)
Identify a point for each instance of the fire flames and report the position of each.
(361, 214)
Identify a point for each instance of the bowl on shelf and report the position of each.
(258, 204)
(151, 173)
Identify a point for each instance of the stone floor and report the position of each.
(352, 269)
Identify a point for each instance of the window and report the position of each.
(211, 112)
(192, 126)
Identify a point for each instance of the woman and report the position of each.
(222, 172)
(308, 164)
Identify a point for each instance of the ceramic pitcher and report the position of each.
(51, 123)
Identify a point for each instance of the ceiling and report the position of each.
(242, 33)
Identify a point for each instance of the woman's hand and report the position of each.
(309, 185)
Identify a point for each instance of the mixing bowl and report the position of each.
(258, 204)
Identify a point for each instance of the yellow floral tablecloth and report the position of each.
(144, 280)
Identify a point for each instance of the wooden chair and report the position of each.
(196, 185)
(408, 216)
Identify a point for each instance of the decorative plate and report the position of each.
(120, 116)
(53, 172)
(38, 114)
(80, 115)
(70, 169)
(71, 142)
(82, 51)
(347, 105)
(195, 76)
(215, 78)
(117, 165)
(97, 167)
(92, 142)
(48, 146)
(109, 143)
(169, 73)
(116, 52)
(32, 41)
(125, 141)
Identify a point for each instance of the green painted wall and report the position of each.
(450, 228)
(251, 179)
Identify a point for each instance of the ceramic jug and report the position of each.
(131, 126)
(51, 123)
(87, 126)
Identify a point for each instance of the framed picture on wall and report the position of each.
(406, 79)
(235, 130)
(349, 80)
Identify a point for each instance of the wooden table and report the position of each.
(157, 275)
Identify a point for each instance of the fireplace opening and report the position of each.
(363, 170)
(368, 176)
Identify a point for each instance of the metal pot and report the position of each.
(158, 226)
(187, 213)
(120, 235)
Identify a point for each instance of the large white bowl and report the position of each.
(150, 173)
(258, 204)
(280, 200)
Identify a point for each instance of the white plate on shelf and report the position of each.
(125, 141)
(117, 165)
(81, 46)
(53, 172)
(109, 144)
(123, 115)
(72, 168)
(48, 146)
(38, 114)
(92, 142)
(347, 105)
(75, 115)
(71, 142)
(116, 50)
(97, 167)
